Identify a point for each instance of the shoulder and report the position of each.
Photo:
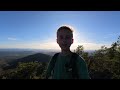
(55, 55)
(79, 58)
(77, 55)
(53, 59)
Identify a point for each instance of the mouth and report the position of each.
(64, 45)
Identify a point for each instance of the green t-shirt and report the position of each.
(60, 71)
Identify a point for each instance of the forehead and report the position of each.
(64, 32)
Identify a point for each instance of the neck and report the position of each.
(65, 52)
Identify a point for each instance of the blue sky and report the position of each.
(37, 29)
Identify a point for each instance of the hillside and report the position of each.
(38, 57)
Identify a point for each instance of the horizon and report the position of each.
(37, 29)
(29, 49)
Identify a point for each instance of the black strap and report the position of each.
(53, 60)
(73, 62)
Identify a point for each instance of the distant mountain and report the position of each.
(12, 52)
(21, 49)
(15, 53)
(38, 57)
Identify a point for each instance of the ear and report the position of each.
(72, 41)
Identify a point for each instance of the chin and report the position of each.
(65, 49)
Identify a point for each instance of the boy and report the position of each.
(66, 64)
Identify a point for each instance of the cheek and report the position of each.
(58, 41)
(70, 41)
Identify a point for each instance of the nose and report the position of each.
(64, 40)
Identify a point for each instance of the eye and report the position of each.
(61, 37)
(67, 37)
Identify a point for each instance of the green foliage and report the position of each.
(29, 70)
(103, 63)
(79, 50)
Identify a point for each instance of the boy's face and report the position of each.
(64, 39)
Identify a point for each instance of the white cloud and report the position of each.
(10, 38)
(90, 46)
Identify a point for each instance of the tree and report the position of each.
(24, 71)
(79, 50)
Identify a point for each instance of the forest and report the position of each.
(102, 64)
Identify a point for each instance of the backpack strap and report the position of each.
(53, 60)
(73, 62)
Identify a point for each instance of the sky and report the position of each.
(37, 29)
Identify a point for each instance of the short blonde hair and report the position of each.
(68, 28)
